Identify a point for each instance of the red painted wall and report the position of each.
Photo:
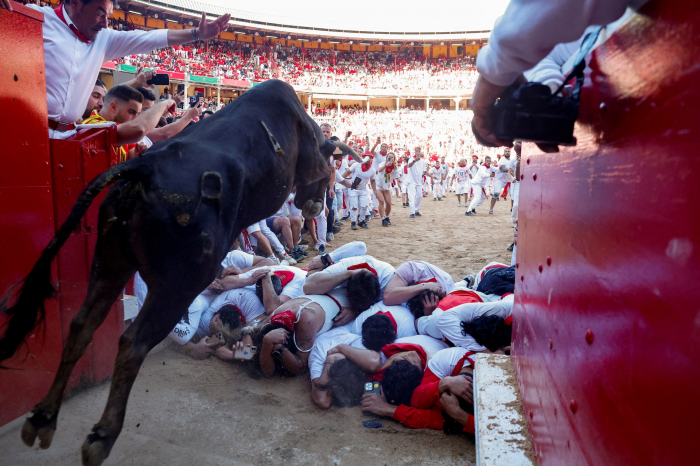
(607, 337)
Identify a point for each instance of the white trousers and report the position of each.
(415, 196)
(359, 201)
(322, 224)
(515, 196)
(479, 197)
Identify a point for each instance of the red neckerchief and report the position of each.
(509, 320)
(246, 240)
(394, 348)
(363, 265)
(285, 318)
(81, 36)
(405, 169)
(285, 276)
(460, 364)
(462, 166)
(389, 168)
(430, 280)
(391, 318)
(366, 166)
(240, 314)
(458, 297)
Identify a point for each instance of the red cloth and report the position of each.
(394, 348)
(285, 276)
(285, 318)
(391, 318)
(505, 190)
(491, 266)
(363, 265)
(458, 297)
(81, 36)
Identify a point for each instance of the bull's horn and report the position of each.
(353, 154)
(275, 145)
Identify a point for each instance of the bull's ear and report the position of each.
(327, 148)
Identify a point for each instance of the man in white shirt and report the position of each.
(479, 184)
(416, 169)
(437, 176)
(77, 41)
(445, 176)
(361, 175)
(502, 179)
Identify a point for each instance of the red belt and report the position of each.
(60, 126)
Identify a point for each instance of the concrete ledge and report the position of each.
(502, 437)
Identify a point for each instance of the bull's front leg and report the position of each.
(310, 198)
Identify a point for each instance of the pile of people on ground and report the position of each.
(399, 342)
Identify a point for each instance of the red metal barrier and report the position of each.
(607, 339)
(37, 190)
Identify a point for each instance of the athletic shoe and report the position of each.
(345, 218)
(470, 280)
(388, 222)
(510, 248)
(298, 254)
(363, 225)
(274, 259)
(337, 228)
(322, 249)
(368, 217)
(412, 216)
(384, 224)
(302, 247)
(329, 237)
(459, 204)
(490, 212)
(439, 199)
(474, 211)
(288, 259)
(434, 200)
(353, 225)
(470, 214)
(418, 214)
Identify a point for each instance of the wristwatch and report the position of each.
(326, 259)
(246, 331)
(277, 354)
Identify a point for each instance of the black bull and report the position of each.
(172, 215)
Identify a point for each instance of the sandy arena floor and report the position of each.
(187, 412)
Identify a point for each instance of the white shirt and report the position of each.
(384, 271)
(430, 345)
(504, 164)
(365, 176)
(72, 66)
(293, 289)
(415, 172)
(462, 174)
(414, 272)
(327, 341)
(238, 259)
(245, 300)
(483, 176)
(405, 326)
(470, 311)
(444, 362)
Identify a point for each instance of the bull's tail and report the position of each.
(28, 310)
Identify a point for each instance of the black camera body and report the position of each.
(529, 112)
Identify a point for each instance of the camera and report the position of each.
(530, 112)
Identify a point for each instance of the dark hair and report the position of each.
(147, 94)
(452, 427)
(377, 331)
(335, 138)
(363, 290)
(347, 383)
(415, 304)
(162, 122)
(206, 112)
(123, 94)
(87, 2)
(489, 331)
(276, 285)
(259, 334)
(399, 382)
(100, 83)
(230, 316)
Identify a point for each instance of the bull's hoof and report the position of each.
(311, 209)
(95, 449)
(40, 425)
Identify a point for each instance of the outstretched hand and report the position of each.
(207, 30)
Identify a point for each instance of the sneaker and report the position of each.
(322, 249)
(274, 259)
(336, 229)
(418, 214)
(298, 254)
(474, 211)
(470, 280)
(434, 200)
(363, 225)
(329, 237)
(388, 222)
(459, 204)
(510, 248)
(288, 259)
(345, 218)
(367, 218)
(439, 199)
(302, 247)
(384, 224)
(470, 214)
(490, 212)
(412, 216)
(353, 225)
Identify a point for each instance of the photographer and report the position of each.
(524, 35)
